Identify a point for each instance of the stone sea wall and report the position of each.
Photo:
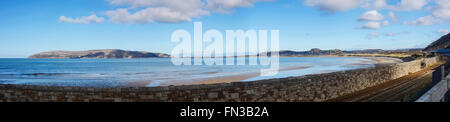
(319, 87)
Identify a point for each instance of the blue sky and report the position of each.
(31, 26)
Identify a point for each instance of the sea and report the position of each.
(152, 72)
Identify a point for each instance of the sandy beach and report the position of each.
(148, 73)
(227, 79)
(377, 61)
(381, 61)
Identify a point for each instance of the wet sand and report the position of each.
(229, 79)
(382, 61)
(378, 61)
(225, 79)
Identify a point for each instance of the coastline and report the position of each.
(249, 76)
(308, 88)
(238, 78)
(377, 61)
(382, 61)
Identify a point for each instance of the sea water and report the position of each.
(152, 71)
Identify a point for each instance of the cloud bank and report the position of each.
(162, 11)
(334, 5)
(171, 11)
(440, 9)
(176, 11)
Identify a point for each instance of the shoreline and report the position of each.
(308, 88)
(376, 61)
(379, 61)
(239, 78)
(382, 61)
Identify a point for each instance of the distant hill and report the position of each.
(441, 43)
(116, 53)
(312, 52)
(106, 53)
(318, 52)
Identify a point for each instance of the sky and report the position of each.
(32, 26)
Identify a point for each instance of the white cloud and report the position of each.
(385, 23)
(393, 17)
(371, 25)
(371, 16)
(120, 16)
(344, 5)
(375, 4)
(374, 25)
(442, 13)
(379, 4)
(409, 5)
(176, 11)
(442, 10)
(334, 5)
(426, 20)
(423, 21)
(443, 31)
(403, 5)
(149, 15)
(148, 11)
(226, 6)
(174, 4)
(171, 11)
(439, 14)
(82, 20)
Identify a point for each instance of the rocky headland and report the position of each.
(106, 53)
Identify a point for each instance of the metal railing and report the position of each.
(438, 92)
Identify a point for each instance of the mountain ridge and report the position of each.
(98, 53)
(118, 53)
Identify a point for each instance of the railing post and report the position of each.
(443, 72)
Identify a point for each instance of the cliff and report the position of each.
(107, 53)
